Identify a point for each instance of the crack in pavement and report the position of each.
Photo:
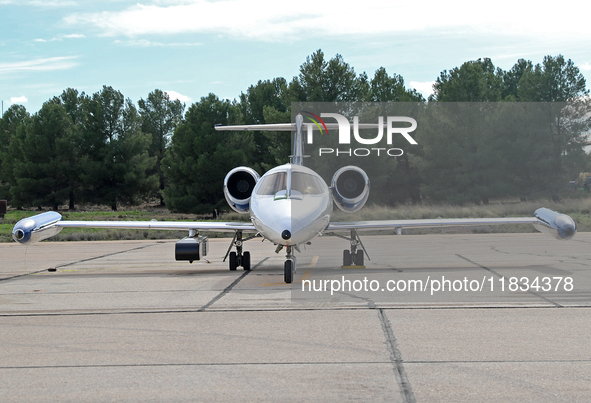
(494, 249)
(500, 276)
(392, 346)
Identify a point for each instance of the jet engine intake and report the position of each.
(350, 188)
(559, 226)
(36, 228)
(238, 186)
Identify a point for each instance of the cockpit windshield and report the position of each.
(305, 184)
(300, 184)
(272, 184)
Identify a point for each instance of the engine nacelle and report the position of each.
(190, 248)
(350, 188)
(559, 226)
(37, 228)
(238, 186)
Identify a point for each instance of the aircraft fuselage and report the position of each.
(290, 205)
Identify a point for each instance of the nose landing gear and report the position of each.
(290, 266)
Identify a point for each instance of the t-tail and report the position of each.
(297, 158)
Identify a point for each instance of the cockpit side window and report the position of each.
(306, 184)
(272, 184)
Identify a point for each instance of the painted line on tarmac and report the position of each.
(79, 261)
(224, 292)
(188, 309)
(199, 364)
(22, 275)
(260, 263)
(101, 256)
(313, 363)
(305, 276)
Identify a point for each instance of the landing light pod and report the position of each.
(36, 228)
(560, 226)
(191, 248)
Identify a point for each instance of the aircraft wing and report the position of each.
(560, 226)
(427, 223)
(163, 225)
(42, 226)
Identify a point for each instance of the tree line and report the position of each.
(103, 149)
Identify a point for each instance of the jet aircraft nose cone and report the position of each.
(286, 235)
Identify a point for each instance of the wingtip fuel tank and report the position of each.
(37, 228)
(559, 226)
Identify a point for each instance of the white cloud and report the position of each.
(61, 38)
(40, 3)
(425, 88)
(49, 64)
(265, 20)
(144, 43)
(172, 2)
(51, 3)
(40, 40)
(173, 95)
(19, 100)
(586, 66)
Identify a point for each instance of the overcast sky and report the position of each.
(193, 47)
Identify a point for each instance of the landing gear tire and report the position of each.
(288, 271)
(233, 261)
(246, 260)
(346, 257)
(359, 258)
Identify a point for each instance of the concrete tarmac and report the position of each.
(491, 317)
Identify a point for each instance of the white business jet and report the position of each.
(289, 206)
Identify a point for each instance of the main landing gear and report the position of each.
(354, 256)
(238, 258)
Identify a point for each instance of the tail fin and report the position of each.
(297, 156)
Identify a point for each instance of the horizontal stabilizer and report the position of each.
(290, 127)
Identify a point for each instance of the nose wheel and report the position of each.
(288, 271)
(289, 267)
